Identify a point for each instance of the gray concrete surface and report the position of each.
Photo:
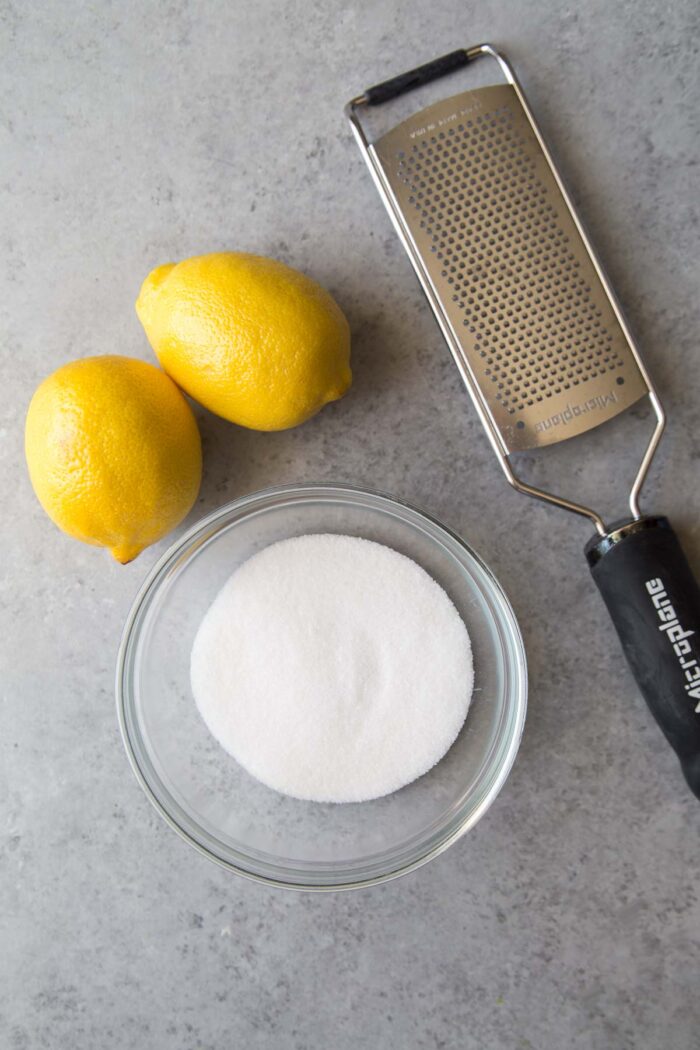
(137, 133)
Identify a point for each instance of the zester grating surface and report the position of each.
(510, 268)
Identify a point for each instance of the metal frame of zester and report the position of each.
(406, 82)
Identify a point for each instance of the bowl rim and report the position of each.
(186, 545)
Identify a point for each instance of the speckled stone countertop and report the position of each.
(137, 133)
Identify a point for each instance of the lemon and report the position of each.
(251, 339)
(113, 452)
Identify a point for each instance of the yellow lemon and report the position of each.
(114, 453)
(248, 337)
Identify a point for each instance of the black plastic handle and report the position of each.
(415, 77)
(654, 600)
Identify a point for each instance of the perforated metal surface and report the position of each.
(515, 282)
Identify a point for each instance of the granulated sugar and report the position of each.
(333, 668)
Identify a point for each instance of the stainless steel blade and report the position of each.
(531, 325)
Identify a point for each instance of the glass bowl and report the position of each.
(228, 815)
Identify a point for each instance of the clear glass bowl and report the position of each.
(228, 815)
